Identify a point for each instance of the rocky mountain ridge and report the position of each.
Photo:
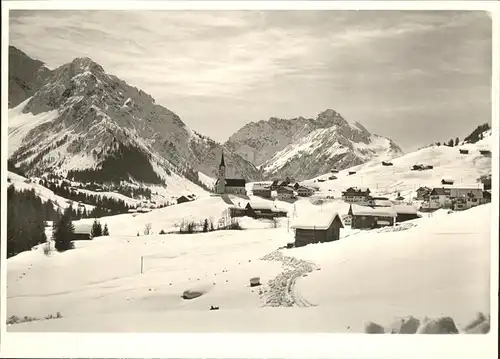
(303, 148)
(78, 116)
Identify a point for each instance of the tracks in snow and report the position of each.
(280, 291)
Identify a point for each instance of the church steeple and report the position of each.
(221, 182)
(222, 164)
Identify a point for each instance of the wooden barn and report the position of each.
(352, 173)
(82, 231)
(363, 217)
(261, 191)
(264, 210)
(384, 163)
(464, 152)
(183, 199)
(317, 228)
(485, 152)
(405, 212)
(447, 181)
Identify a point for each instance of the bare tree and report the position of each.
(147, 229)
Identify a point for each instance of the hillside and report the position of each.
(464, 169)
(302, 148)
(85, 124)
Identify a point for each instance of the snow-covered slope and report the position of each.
(21, 183)
(90, 125)
(439, 267)
(303, 148)
(167, 219)
(464, 169)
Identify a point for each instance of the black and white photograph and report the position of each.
(249, 171)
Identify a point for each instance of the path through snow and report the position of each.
(280, 291)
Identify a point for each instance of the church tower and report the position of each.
(221, 185)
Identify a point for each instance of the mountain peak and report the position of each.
(329, 113)
(82, 64)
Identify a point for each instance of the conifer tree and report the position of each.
(96, 230)
(205, 225)
(63, 231)
(457, 141)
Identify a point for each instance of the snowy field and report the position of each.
(439, 266)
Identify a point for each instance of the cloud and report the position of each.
(241, 66)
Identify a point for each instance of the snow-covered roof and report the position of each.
(382, 203)
(82, 228)
(405, 209)
(260, 187)
(321, 220)
(262, 205)
(357, 189)
(465, 186)
(358, 210)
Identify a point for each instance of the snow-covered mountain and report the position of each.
(86, 124)
(26, 76)
(303, 147)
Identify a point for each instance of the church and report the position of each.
(225, 185)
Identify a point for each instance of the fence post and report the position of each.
(142, 264)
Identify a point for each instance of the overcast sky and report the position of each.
(416, 77)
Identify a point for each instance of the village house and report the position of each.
(304, 191)
(285, 193)
(423, 193)
(82, 231)
(356, 195)
(465, 191)
(274, 185)
(261, 191)
(363, 217)
(318, 228)
(225, 185)
(405, 212)
(439, 198)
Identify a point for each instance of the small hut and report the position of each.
(317, 228)
(405, 212)
(183, 199)
(364, 217)
(82, 231)
(464, 152)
